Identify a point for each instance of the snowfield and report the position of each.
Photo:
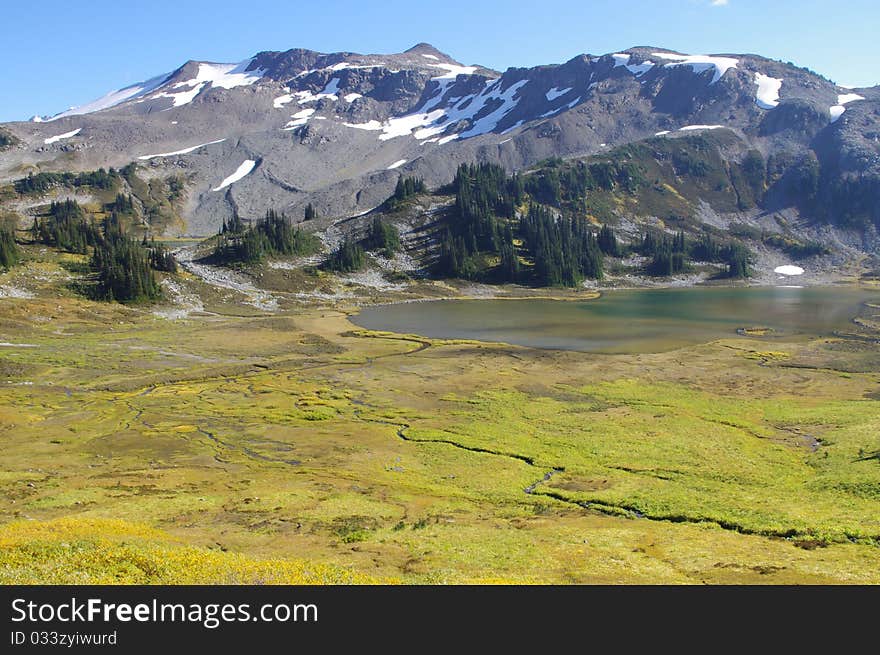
(848, 97)
(837, 110)
(332, 87)
(556, 92)
(622, 59)
(246, 167)
(329, 93)
(689, 128)
(767, 96)
(453, 71)
(788, 270)
(185, 151)
(396, 164)
(299, 118)
(114, 98)
(66, 135)
(432, 119)
(280, 101)
(221, 76)
(701, 63)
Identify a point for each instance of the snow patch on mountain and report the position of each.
(556, 92)
(280, 101)
(328, 93)
(701, 63)
(490, 121)
(246, 167)
(434, 57)
(622, 59)
(344, 65)
(453, 71)
(846, 98)
(181, 152)
(351, 97)
(332, 88)
(843, 99)
(221, 76)
(299, 118)
(430, 120)
(767, 96)
(640, 69)
(690, 128)
(114, 98)
(836, 112)
(66, 135)
(397, 164)
(370, 126)
(548, 113)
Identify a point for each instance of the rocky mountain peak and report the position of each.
(336, 129)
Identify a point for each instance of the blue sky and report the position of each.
(63, 53)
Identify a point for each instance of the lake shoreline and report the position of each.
(631, 320)
(586, 294)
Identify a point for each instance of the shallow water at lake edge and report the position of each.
(629, 321)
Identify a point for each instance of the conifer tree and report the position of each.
(10, 254)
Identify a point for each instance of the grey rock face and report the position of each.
(337, 129)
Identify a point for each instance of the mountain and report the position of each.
(283, 129)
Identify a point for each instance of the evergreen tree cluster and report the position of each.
(738, 261)
(673, 254)
(564, 249)
(484, 197)
(42, 182)
(608, 242)
(161, 258)
(310, 212)
(347, 258)
(556, 183)
(382, 236)
(669, 253)
(122, 266)
(407, 186)
(10, 254)
(67, 228)
(734, 255)
(272, 235)
(707, 249)
(123, 204)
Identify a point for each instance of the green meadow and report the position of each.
(239, 446)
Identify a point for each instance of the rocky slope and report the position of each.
(286, 128)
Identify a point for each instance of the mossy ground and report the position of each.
(291, 438)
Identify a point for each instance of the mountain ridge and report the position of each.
(336, 129)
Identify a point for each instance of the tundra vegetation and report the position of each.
(292, 447)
